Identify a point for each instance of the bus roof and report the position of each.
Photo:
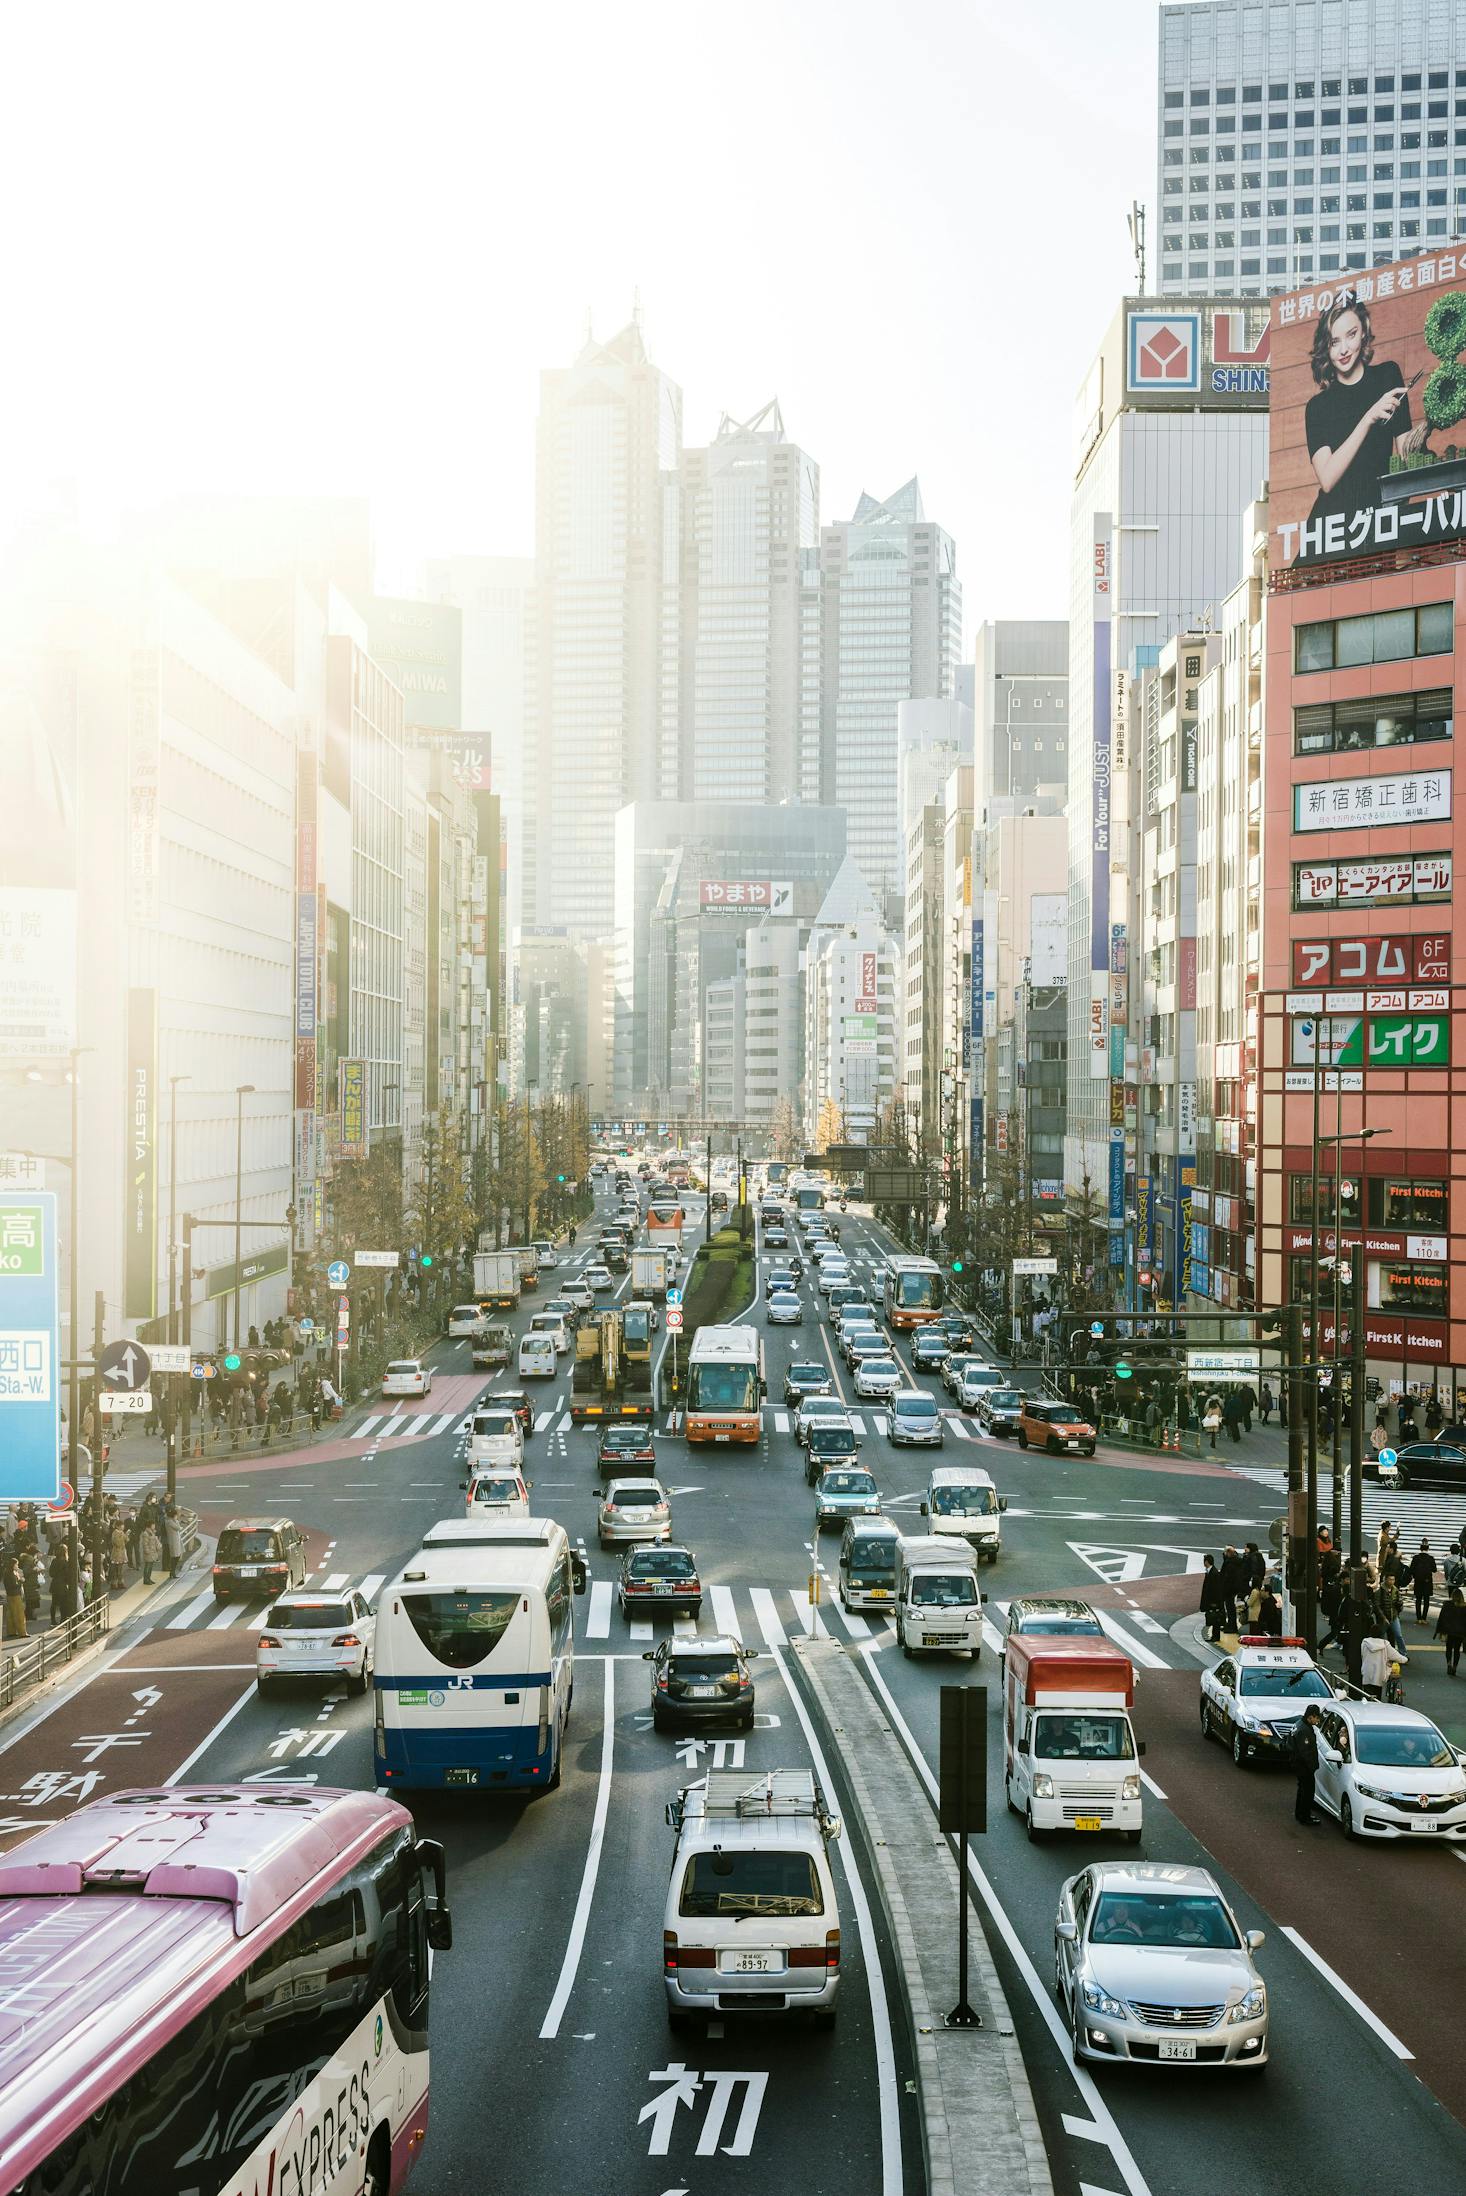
(902, 1264)
(120, 1923)
(499, 1551)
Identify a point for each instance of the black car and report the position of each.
(776, 1238)
(805, 1379)
(701, 1681)
(958, 1329)
(615, 1258)
(930, 1350)
(624, 1445)
(1430, 1464)
(662, 1577)
(516, 1400)
(829, 1445)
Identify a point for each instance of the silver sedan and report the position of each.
(784, 1310)
(1153, 1969)
(633, 1509)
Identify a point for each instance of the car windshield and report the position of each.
(760, 1882)
(255, 1544)
(1083, 1738)
(403, 1365)
(872, 1559)
(1007, 1399)
(1402, 1746)
(935, 1590)
(979, 1376)
(847, 1483)
(315, 1616)
(784, 1300)
(724, 1387)
(1057, 1627)
(493, 1424)
(1301, 1684)
(460, 1630)
(831, 1440)
(916, 1406)
(662, 1563)
(1135, 1917)
(625, 1437)
(803, 1375)
(964, 1501)
(495, 1490)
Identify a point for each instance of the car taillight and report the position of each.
(608, 1508)
(346, 1639)
(662, 1686)
(218, 1567)
(744, 1681)
(638, 1586)
(267, 1641)
(675, 1955)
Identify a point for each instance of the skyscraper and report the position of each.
(891, 631)
(748, 533)
(601, 717)
(1297, 141)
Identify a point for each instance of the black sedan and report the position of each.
(662, 1577)
(1430, 1464)
(930, 1350)
(776, 1238)
(625, 1444)
(701, 1681)
(805, 1379)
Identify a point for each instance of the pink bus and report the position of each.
(218, 1991)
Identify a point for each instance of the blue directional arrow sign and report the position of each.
(1097, 1329)
(338, 1273)
(674, 1297)
(30, 1348)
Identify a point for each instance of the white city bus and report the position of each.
(725, 1385)
(475, 1658)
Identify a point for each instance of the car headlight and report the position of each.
(1100, 2001)
(1130, 1788)
(1250, 2007)
(1043, 1787)
(1374, 1792)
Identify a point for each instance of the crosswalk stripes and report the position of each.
(774, 1634)
(1436, 1515)
(371, 1586)
(725, 1611)
(598, 1619)
(184, 1617)
(399, 1426)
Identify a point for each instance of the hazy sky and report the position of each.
(317, 247)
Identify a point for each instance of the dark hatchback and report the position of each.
(701, 1681)
(805, 1379)
(624, 1444)
(930, 1349)
(829, 1445)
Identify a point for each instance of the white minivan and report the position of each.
(537, 1356)
(495, 1437)
(963, 1504)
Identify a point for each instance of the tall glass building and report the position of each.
(1299, 139)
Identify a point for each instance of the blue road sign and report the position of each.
(30, 1348)
(1097, 1329)
(1388, 1457)
(338, 1273)
(674, 1297)
(306, 1326)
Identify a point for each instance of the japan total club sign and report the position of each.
(746, 895)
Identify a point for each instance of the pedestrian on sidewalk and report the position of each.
(1450, 1626)
(1455, 1568)
(1211, 1598)
(63, 1581)
(1391, 1603)
(173, 1538)
(1233, 1413)
(1331, 1602)
(30, 1564)
(150, 1551)
(1434, 1416)
(1234, 1582)
(1382, 1540)
(118, 1551)
(1305, 1766)
(1269, 1613)
(1211, 1418)
(1423, 1567)
(1266, 1402)
(12, 1586)
(131, 1527)
(1376, 1655)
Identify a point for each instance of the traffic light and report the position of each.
(232, 1362)
(956, 1265)
(559, 1177)
(426, 1259)
(1123, 1369)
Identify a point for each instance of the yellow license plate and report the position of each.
(1088, 1822)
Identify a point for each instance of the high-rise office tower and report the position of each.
(1299, 141)
(891, 631)
(600, 718)
(748, 530)
(1021, 697)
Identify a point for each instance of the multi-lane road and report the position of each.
(552, 2059)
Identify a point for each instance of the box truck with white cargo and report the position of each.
(496, 1278)
(938, 1601)
(649, 1274)
(1070, 1756)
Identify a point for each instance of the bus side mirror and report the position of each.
(579, 1572)
(924, 1510)
(433, 1861)
(1022, 1746)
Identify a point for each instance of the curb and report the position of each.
(980, 2128)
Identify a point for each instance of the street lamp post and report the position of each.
(1356, 1336)
(241, 1092)
(172, 1378)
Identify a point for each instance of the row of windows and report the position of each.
(1437, 110)
(1388, 1201)
(1328, 87)
(1382, 636)
(1328, 148)
(1393, 720)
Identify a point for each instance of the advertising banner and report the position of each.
(30, 1348)
(758, 895)
(1368, 400)
(1102, 616)
(140, 1222)
(351, 1089)
(1369, 804)
(1119, 1003)
(860, 1025)
(420, 647)
(1417, 959)
(976, 980)
(1117, 1178)
(1373, 1040)
(1367, 884)
(866, 1003)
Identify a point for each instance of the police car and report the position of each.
(1254, 1699)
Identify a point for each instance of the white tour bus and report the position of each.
(475, 1657)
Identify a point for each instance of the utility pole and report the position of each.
(100, 1536)
(1356, 1401)
(707, 1234)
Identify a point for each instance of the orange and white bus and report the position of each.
(725, 1385)
(913, 1292)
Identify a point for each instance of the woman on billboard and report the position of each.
(1361, 415)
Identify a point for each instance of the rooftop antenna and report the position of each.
(1135, 222)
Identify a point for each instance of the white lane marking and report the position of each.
(1151, 1786)
(1084, 2081)
(992, 1638)
(176, 1776)
(1146, 1623)
(685, 1627)
(960, 1428)
(1134, 1648)
(191, 1609)
(423, 1419)
(228, 1613)
(598, 1623)
(857, 1422)
(725, 1611)
(880, 2012)
(443, 1422)
(641, 1629)
(1090, 2188)
(806, 1616)
(370, 1587)
(1086, 2129)
(366, 1426)
(564, 1423)
(852, 1619)
(542, 1420)
(335, 1582)
(768, 1617)
(569, 1966)
(781, 1422)
(1371, 2019)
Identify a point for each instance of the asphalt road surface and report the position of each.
(550, 2037)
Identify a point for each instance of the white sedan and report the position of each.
(599, 1278)
(317, 1636)
(1152, 1967)
(877, 1377)
(407, 1376)
(1387, 1772)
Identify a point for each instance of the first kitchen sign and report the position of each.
(30, 1349)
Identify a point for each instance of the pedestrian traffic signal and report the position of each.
(559, 1177)
(956, 1265)
(1123, 1369)
(232, 1362)
(426, 1259)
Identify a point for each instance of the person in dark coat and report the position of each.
(1423, 1567)
(1234, 1411)
(1267, 1402)
(1356, 1620)
(1450, 1626)
(1255, 1565)
(1305, 1766)
(1234, 1582)
(63, 1582)
(1211, 1598)
(1434, 1415)
(1270, 1614)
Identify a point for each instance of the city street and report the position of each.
(552, 1989)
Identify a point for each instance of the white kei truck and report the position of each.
(938, 1600)
(1071, 1760)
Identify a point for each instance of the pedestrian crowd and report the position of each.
(47, 1561)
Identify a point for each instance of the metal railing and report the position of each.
(27, 1663)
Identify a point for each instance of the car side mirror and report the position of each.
(1256, 1939)
(463, 1486)
(579, 1573)
(1002, 1502)
(1022, 1746)
(982, 1597)
(1067, 1932)
(924, 1510)
(649, 1654)
(1140, 1747)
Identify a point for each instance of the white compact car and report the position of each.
(633, 1509)
(600, 1279)
(465, 1321)
(876, 1378)
(1387, 1772)
(549, 1257)
(784, 1310)
(1152, 1968)
(536, 1358)
(496, 1492)
(317, 1636)
(495, 1437)
(1253, 1700)
(407, 1376)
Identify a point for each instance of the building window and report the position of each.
(1300, 1200)
(1395, 720)
(1413, 1288)
(1399, 1203)
(1385, 636)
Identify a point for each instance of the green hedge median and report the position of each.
(721, 1282)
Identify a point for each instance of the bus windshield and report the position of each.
(460, 1629)
(919, 1291)
(724, 1388)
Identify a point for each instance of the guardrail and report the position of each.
(35, 1659)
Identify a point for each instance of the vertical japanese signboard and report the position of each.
(351, 1081)
(30, 1349)
(140, 1218)
(1102, 617)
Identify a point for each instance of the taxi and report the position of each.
(1254, 1700)
(1054, 1427)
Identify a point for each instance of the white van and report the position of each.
(495, 1437)
(496, 1491)
(963, 1504)
(552, 1324)
(537, 1357)
(465, 1321)
(549, 1256)
(752, 1853)
(938, 1601)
